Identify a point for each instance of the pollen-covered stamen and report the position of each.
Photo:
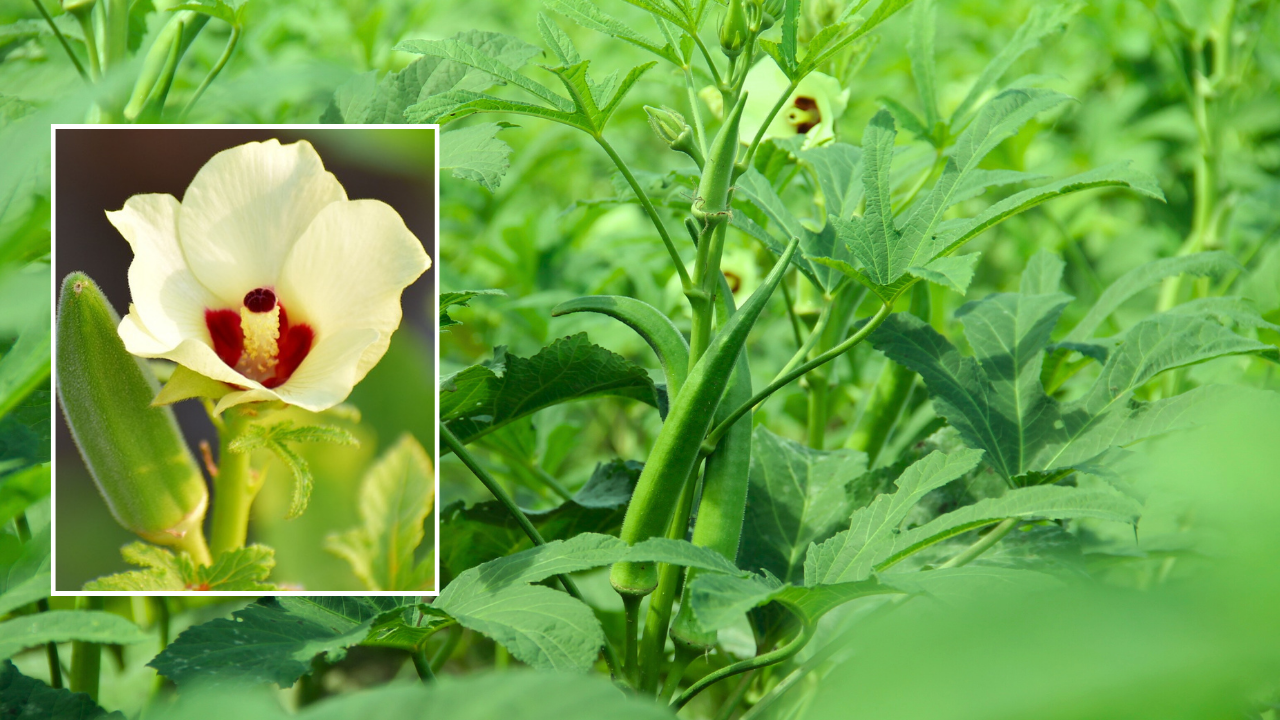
(260, 322)
(258, 340)
(804, 114)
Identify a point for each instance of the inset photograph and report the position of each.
(244, 356)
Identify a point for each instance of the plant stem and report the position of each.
(770, 658)
(423, 665)
(61, 39)
(445, 650)
(706, 54)
(650, 210)
(213, 72)
(234, 488)
(684, 656)
(455, 445)
(631, 641)
(982, 545)
(42, 605)
(718, 432)
(795, 320)
(768, 120)
(86, 657)
(658, 620)
(90, 44)
(735, 697)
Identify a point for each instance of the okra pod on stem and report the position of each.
(679, 443)
(135, 452)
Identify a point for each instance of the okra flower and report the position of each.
(812, 110)
(266, 277)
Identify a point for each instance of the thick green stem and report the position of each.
(650, 210)
(234, 487)
(115, 33)
(770, 658)
(658, 620)
(213, 72)
(983, 544)
(631, 640)
(718, 432)
(446, 649)
(422, 664)
(455, 445)
(684, 656)
(706, 275)
(62, 39)
(86, 657)
(90, 44)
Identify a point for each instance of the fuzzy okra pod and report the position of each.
(711, 205)
(134, 451)
(679, 443)
(724, 485)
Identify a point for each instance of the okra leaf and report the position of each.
(719, 600)
(1043, 502)
(20, 489)
(790, 29)
(30, 698)
(475, 153)
(456, 104)
(798, 496)
(1044, 20)
(875, 240)
(25, 367)
(757, 189)
(909, 121)
(978, 181)
(459, 299)
(561, 44)
(367, 99)
(245, 569)
(26, 631)
(396, 498)
(24, 592)
(1000, 118)
(1229, 310)
(1159, 343)
(483, 398)
(473, 57)
(740, 221)
(833, 39)
(272, 640)
(851, 555)
(837, 166)
(485, 531)
(586, 14)
(920, 51)
(951, 272)
(633, 76)
(1203, 264)
(972, 582)
(1042, 275)
(547, 629)
(1119, 174)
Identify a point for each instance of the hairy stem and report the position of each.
(772, 657)
(213, 72)
(684, 656)
(631, 640)
(983, 544)
(650, 210)
(86, 657)
(62, 39)
(455, 445)
(234, 488)
(718, 432)
(422, 664)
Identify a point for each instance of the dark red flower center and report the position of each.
(257, 340)
(804, 115)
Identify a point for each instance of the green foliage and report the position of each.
(459, 299)
(65, 625)
(244, 570)
(397, 496)
(27, 697)
(276, 437)
(483, 398)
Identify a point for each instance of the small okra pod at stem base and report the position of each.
(675, 452)
(134, 451)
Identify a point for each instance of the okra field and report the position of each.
(796, 359)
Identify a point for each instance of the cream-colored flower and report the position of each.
(266, 277)
(812, 110)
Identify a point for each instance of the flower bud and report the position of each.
(734, 29)
(77, 6)
(674, 131)
(135, 452)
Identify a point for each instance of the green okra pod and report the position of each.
(711, 204)
(724, 485)
(655, 328)
(677, 448)
(135, 452)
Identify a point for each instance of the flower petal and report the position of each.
(168, 301)
(326, 377)
(246, 208)
(348, 270)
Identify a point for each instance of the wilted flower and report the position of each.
(812, 110)
(266, 277)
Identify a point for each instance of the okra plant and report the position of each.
(773, 385)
